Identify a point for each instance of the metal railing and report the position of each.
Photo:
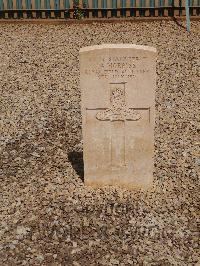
(66, 9)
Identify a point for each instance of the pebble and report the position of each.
(45, 207)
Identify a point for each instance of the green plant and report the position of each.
(78, 11)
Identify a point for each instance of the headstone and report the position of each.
(118, 96)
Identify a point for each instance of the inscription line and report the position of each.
(95, 109)
(123, 82)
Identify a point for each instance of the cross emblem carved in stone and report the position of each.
(118, 110)
(118, 113)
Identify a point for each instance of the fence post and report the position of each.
(133, 12)
(85, 6)
(67, 7)
(180, 7)
(152, 5)
(161, 4)
(191, 4)
(104, 5)
(187, 14)
(38, 6)
(123, 6)
(48, 7)
(56, 8)
(171, 10)
(10, 8)
(198, 9)
(2, 15)
(9, 4)
(142, 11)
(95, 6)
(29, 6)
(19, 7)
(114, 6)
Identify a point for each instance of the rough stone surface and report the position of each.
(118, 102)
(48, 217)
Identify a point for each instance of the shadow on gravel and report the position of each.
(178, 23)
(76, 159)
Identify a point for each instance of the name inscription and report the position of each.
(117, 67)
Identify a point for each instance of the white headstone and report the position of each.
(118, 96)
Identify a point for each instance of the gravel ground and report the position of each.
(48, 217)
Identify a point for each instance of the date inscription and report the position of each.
(117, 67)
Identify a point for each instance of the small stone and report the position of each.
(114, 262)
(11, 246)
(21, 230)
(74, 244)
(198, 161)
(75, 263)
(169, 242)
(35, 154)
(40, 257)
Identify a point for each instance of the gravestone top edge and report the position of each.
(117, 46)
